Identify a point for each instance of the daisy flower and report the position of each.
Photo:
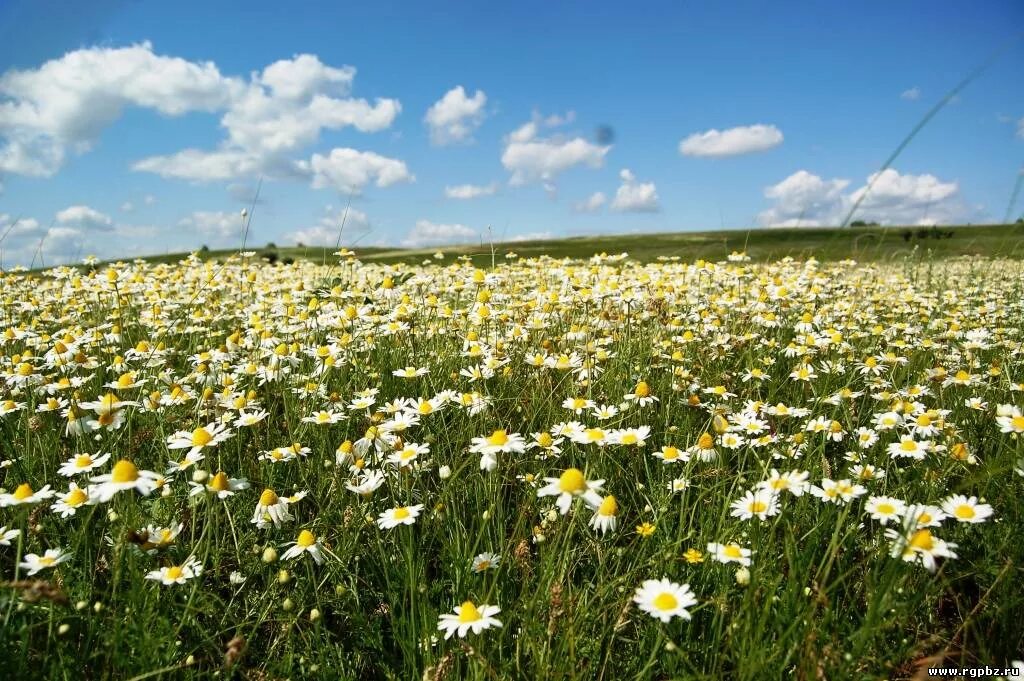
(34, 563)
(409, 453)
(837, 492)
(305, 543)
(498, 442)
(270, 509)
(410, 372)
(24, 494)
(220, 485)
(125, 476)
(468, 617)
(919, 546)
(1010, 419)
(630, 437)
(400, 515)
(761, 503)
(669, 454)
(82, 463)
(569, 485)
(7, 535)
(884, 509)
(485, 561)
(68, 504)
(966, 509)
(177, 574)
(730, 553)
(605, 516)
(794, 482)
(367, 483)
(663, 599)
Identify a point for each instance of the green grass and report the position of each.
(824, 600)
(762, 245)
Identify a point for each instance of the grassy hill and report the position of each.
(823, 243)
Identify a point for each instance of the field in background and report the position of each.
(762, 245)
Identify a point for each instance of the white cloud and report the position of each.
(350, 171)
(26, 242)
(1020, 128)
(214, 223)
(635, 197)
(127, 207)
(330, 228)
(470, 191)
(201, 166)
(804, 199)
(912, 94)
(732, 142)
(427, 233)
(455, 116)
(84, 217)
(67, 102)
(592, 203)
(531, 236)
(531, 158)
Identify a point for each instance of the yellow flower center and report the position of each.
(885, 508)
(1017, 422)
(469, 613)
(306, 539)
(124, 471)
(268, 498)
(908, 446)
(174, 572)
(401, 513)
(594, 434)
(642, 389)
(545, 440)
(924, 420)
(219, 482)
(732, 551)
(201, 437)
(964, 512)
(609, 506)
(670, 453)
(706, 441)
(665, 601)
(47, 561)
(498, 438)
(23, 492)
(758, 507)
(923, 540)
(125, 380)
(76, 497)
(629, 439)
(572, 481)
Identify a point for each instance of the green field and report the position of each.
(762, 245)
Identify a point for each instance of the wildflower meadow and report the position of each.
(566, 468)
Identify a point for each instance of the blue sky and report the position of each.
(783, 111)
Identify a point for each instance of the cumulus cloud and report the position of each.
(331, 228)
(84, 217)
(591, 204)
(25, 241)
(465, 192)
(531, 236)
(804, 199)
(532, 158)
(427, 233)
(635, 197)
(732, 142)
(217, 224)
(455, 116)
(65, 104)
(912, 94)
(350, 171)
